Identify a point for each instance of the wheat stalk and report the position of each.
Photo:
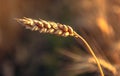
(59, 29)
(105, 64)
(90, 60)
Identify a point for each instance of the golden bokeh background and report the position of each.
(27, 53)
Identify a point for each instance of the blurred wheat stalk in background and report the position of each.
(87, 62)
(59, 29)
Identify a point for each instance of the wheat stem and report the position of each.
(91, 52)
(105, 64)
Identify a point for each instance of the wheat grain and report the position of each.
(47, 27)
(59, 29)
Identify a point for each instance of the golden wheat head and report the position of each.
(56, 28)
(47, 27)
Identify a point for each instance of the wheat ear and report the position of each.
(59, 29)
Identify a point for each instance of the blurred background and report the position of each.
(27, 53)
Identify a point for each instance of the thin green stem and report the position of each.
(91, 51)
